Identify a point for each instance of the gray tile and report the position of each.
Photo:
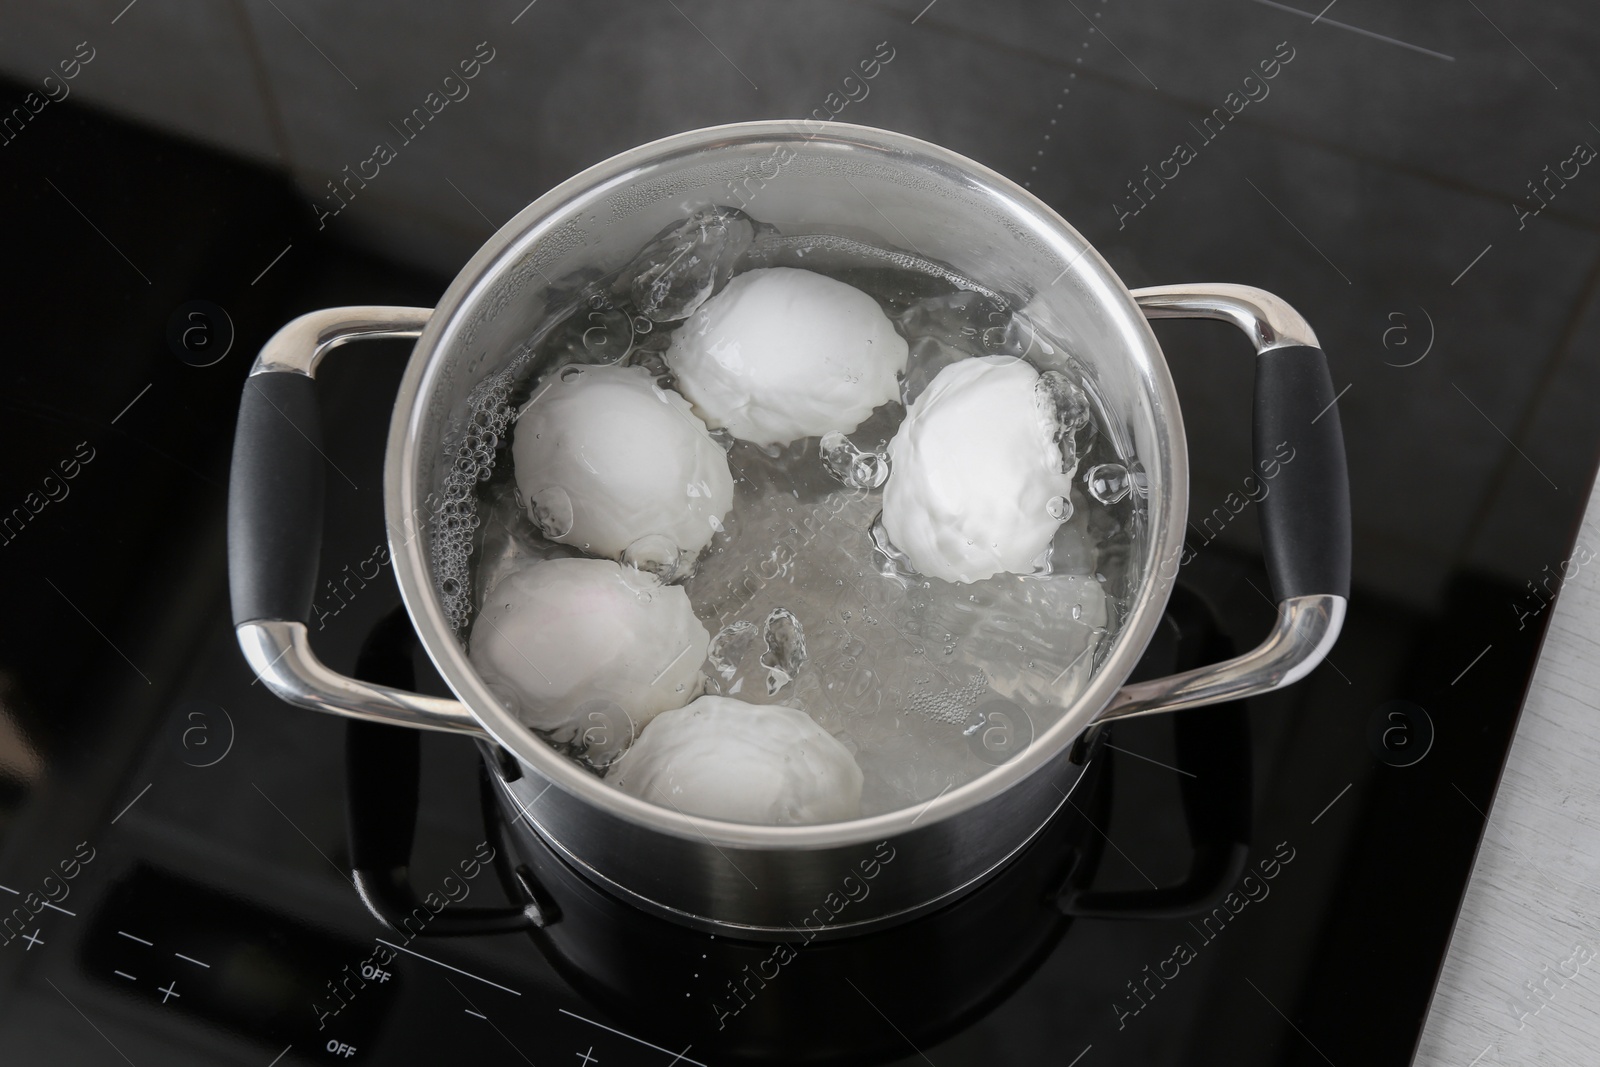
(180, 65)
(567, 88)
(1486, 116)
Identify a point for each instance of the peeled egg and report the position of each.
(782, 354)
(979, 480)
(605, 459)
(755, 763)
(559, 639)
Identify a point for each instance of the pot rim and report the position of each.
(518, 237)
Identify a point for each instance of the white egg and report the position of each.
(755, 763)
(782, 354)
(558, 637)
(605, 458)
(976, 485)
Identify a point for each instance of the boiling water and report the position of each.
(928, 683)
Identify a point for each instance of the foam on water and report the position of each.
(472, 462)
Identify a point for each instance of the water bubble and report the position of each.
(680, 270)
(1064, 410)
(1059, 508)
(785, 639)
(1108, 482)
(729, 646)
(551, 512)
(851, 465)
(655, 553)
(893, 563)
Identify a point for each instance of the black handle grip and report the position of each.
(383, 766)
(1216, 806)
(1305, 515)
(275, 494)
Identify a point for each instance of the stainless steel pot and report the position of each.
(898, 192)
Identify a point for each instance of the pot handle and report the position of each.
(383, 766)
(1217, 809)
(1305, 520)
(275, 498)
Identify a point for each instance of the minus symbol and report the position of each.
(191, 959)
(130, 937)
(469, 1011)
(129, 977)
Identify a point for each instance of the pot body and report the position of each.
(886, 190)
(889, 191)
(740, 1000)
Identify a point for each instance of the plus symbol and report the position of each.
(34, 939)
(170, 990)
(586, 1057)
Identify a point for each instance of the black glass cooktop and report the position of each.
(174, 857)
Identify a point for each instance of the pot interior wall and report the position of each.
(990, 232)
(890, 191)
